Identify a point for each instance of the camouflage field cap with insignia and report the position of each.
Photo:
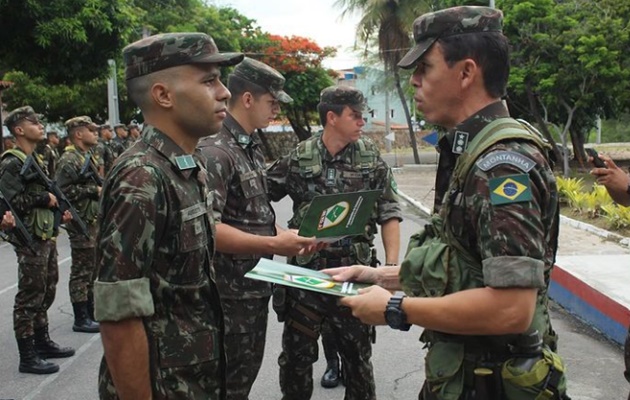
(344, 96)
(83, 120)
(264, 76)
(428, 28)
(167, 50)
(19, 114)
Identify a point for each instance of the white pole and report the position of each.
(491, 3)
(112, 94)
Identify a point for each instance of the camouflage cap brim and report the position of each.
(223, 59)
(282, 96)
(411, 58)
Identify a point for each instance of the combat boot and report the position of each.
(331, 376)
(46, 348)
(83, 323)
(90, 307)
(30, 361)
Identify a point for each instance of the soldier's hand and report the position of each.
(355, 273)
(8, 221)
(613, 177)
(66, 217)
(369, 305)
(52, 201)
(288, 243)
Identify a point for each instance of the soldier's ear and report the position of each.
(161, 95)
(247, 99)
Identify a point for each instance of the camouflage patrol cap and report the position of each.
(120, 126)
(264, 76)
(132, 125)
(19, 114)
(105, 126)
(83, 120)
(343, 96)
(167, 50)
(430, 27)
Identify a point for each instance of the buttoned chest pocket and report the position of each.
(193, 233)
(352, 180)
(252, 183)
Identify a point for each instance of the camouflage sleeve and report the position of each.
(132, 216)
(67, 177)
(388, 206)
(99, 154)
(220, 174)
(509, 225)
(15, 191)
(277, 178)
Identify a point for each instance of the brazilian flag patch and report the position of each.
(510, 189)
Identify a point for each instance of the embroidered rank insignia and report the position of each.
(394, 185)
(510, 189)
(495, 158)
(331, 177)
(185, 162)
(244, 139)
(460, 143)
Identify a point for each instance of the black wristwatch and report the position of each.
(394, 315)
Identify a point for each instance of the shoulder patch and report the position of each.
(495, 158)
(510, 189)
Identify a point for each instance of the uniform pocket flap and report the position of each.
(195, 348)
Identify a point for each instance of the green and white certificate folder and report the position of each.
(331, 217)
(302, 278)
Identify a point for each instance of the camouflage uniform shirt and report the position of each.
(339, 174)
(236, 166)
(153, 253)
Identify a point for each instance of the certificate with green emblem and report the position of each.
(302, 278)
(331, 217)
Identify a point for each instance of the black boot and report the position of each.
(83, 323)
(30, 362)
(331, 377)
(46, 348)
(90, 307)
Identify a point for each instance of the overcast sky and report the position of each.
(318, 20)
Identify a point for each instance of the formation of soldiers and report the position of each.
(46, 186)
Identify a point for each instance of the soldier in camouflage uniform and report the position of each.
(134, 133)
(477, 277)
(38, 271)
(155, 295)
(337, 161)
(49, 154)
(75, 178)
(120, 143)
(617, 183)
(246, 229)
(103, 154)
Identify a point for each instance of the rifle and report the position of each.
(18, 235)
(51, 186)
(88, 171)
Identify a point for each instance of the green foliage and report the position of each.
(63, 41)
(617, 217)
(568, 185)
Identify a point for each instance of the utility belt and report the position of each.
(492, 372)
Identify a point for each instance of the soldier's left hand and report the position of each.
(8, 221)
(289, 243)
(369, 305)
(66, 217)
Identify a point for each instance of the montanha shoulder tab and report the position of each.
(495, 158)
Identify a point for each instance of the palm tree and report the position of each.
(391, 22)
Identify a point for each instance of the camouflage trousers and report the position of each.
(37, 285)
(83, 268)
(245, 334)
(307, 312)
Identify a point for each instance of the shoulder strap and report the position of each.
(309, 158)
(16, 153)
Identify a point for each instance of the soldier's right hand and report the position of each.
(52, 201)
(355, 273)
(8, 221)
(288, 243)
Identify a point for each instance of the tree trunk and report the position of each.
(541, 123)
(577, 141)
(403, 100)
(299, 130)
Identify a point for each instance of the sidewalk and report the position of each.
(592, 275)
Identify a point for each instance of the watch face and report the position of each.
(394, 318)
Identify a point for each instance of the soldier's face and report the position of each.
(121, 133)
(349, 125)
(438, 88)
(31, 129)
(199, 99)
(265, 109)
(89, 136)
